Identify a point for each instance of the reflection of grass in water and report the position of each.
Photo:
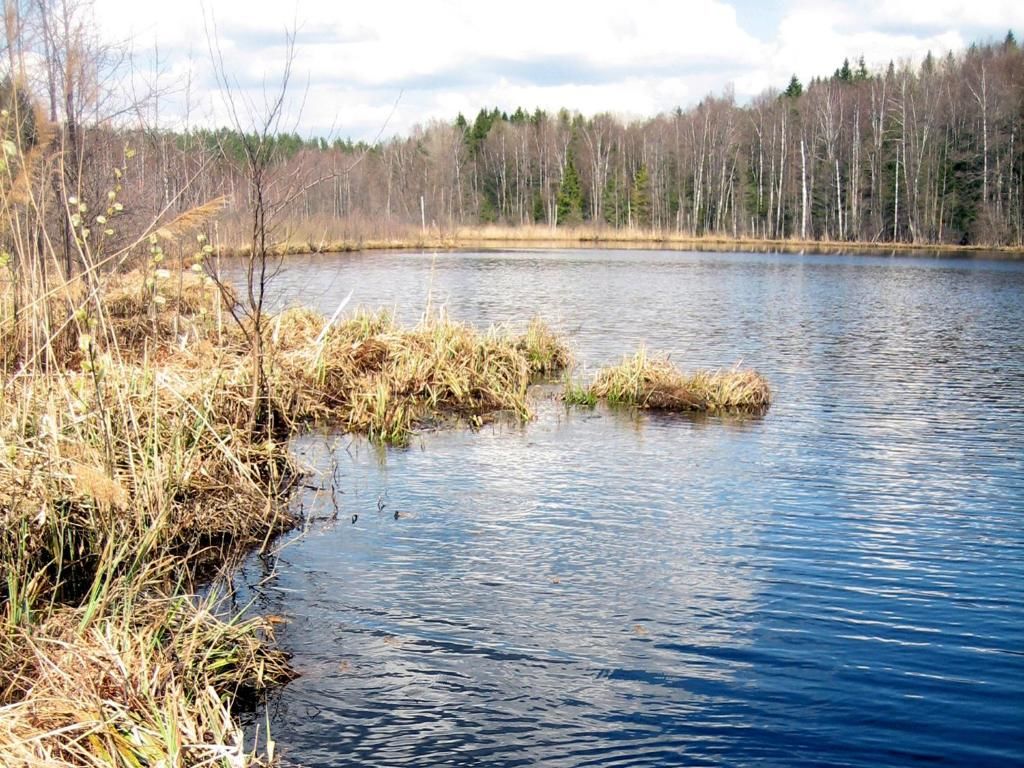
(654, 383)
(698, 420)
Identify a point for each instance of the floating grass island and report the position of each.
(652, 381)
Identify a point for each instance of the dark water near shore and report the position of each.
(838, 583)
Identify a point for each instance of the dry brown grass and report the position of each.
(327, 236)
(128, 460)
(646, 381)
(122, 471)
(114, 484)
(370, 376)
(148, 682)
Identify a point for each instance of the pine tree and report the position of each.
(17, 101)
(539, 209)
(862, 69)
(481, 127)
(640, 198)
(614, 209)
(844, 74)
(570, 196)
(794, 89)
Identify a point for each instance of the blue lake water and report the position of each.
(840, 582)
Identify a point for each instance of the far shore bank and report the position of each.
(547, 238)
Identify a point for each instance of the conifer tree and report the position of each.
(794, 89)
(614, 209)
(640, 198)
(570, 196)
(862, 70)
(844, 74)
(539, 212)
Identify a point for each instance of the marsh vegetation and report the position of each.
(129, 460)
(651, 381)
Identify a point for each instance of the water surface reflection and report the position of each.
(837, 583)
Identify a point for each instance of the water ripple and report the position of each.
(837, 583)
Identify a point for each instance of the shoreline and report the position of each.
(143, 454)
(548, 239)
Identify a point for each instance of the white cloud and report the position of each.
(460, 55)
(814, 38)
(948, 14)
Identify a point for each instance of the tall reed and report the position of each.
(118, 475)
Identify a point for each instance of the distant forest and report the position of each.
(925, 152)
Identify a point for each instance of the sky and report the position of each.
(364, 70)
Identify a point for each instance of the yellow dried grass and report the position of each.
(120, 465)
(647, 381)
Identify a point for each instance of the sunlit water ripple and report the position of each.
(840, 582)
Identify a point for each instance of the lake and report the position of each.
(839, 582)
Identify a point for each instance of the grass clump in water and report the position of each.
(576, 392)
(646, 381)
(376, 378)
(545, 352)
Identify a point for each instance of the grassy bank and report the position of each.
(653, 382)
(309, 240)
(128, 462)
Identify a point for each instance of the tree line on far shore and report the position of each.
(926, 152)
